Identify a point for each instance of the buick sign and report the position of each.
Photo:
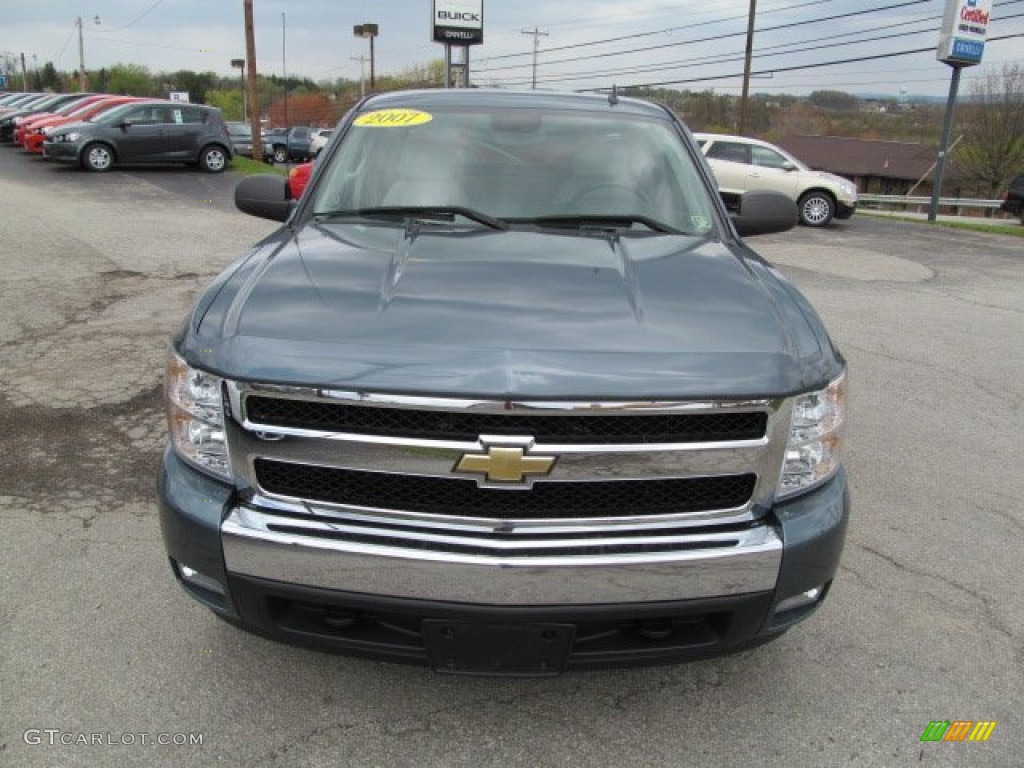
(457, 22)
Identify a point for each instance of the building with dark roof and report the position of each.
(875, 166)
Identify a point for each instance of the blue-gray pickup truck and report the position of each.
(506, 394)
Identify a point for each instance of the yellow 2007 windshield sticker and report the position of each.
(393, 118)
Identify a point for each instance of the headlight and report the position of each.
(815, 438)
(72, 136)
(195, 416)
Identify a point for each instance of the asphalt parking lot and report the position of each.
(99, 648)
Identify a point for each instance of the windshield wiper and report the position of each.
(444, 212)
(602, 221)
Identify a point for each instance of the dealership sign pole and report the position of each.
(457, 23)
(961, 44)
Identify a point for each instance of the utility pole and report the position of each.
(362, 74)
(24, 74)
(81, 56)
(741, 123)
(81, 53)
(536, 48)
(254, 102)
(284, 72)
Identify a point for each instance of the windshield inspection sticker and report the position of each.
(393, 118)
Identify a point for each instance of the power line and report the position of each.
(657, 31)
(795, 68)
(721, 58)
(710, 38)
(779, 50)
(66, 43)
(140, 17)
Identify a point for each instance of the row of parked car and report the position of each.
(100, 130)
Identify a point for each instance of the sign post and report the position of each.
(961, 44)
(369, 31)
(457, 23)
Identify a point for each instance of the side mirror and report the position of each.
(763, 212)
(788, 166)
(264, 195)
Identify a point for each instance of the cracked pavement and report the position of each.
(924, 621)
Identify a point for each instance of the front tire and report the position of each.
(98, 158)
(280, 155)
(816, 208)
(213, 159)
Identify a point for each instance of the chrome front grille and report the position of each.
(552, 426)
(627, 477)
(455, 496)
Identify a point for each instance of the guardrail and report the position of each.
(958, 203)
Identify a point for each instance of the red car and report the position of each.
(34, 138)
(23, 125)
(298, 177)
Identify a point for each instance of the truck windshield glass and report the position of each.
(519, 166)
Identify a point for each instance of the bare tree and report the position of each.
(993, 124)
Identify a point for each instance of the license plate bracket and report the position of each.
(504, 650)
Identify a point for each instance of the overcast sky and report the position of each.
(686, 40)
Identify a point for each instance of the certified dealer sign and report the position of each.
(964, 26)
(458, 22)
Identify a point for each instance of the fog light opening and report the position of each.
(196, 579)
(802, 600)
(655, 629)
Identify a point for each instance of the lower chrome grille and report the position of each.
(464, 498)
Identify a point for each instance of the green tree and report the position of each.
(710, 111)
(129, 80)
(229, 102)
(837, 100)
(993, 124)
(46, 78)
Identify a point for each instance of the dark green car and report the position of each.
(506, 394)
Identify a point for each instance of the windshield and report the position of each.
(239, 130)
(519, 165)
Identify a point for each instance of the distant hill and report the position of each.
(908, 98)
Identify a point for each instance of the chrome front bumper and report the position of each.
(350, 557)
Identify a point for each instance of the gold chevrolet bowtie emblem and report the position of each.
(503, 464)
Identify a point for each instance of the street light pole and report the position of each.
(239, 64)
(370, 31)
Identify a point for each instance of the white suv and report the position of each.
(743, 165)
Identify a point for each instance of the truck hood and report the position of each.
(516, 314)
